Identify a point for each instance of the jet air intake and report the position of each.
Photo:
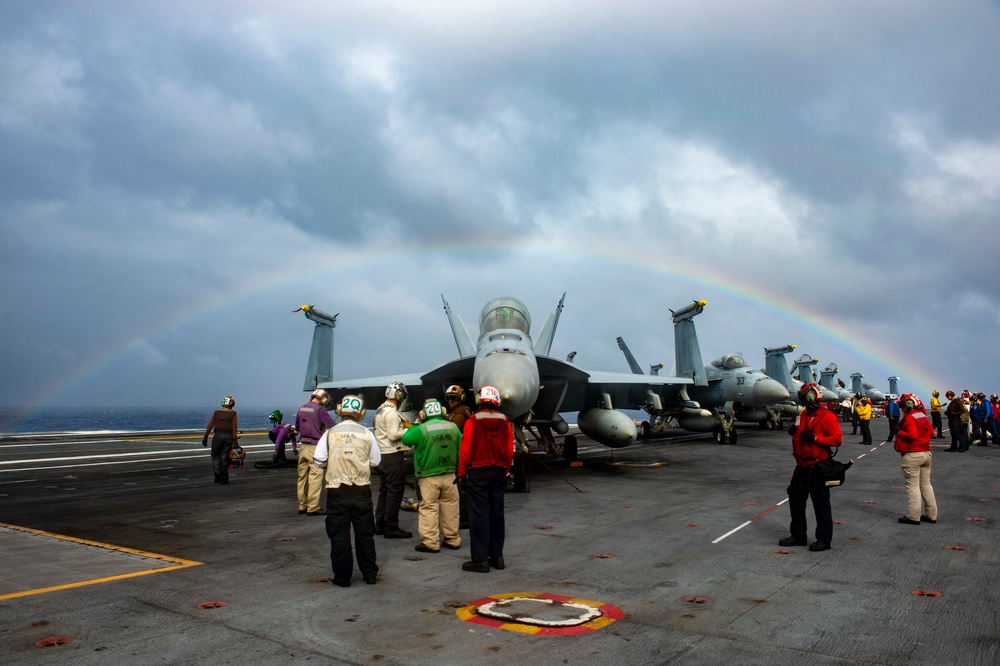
(607, 427)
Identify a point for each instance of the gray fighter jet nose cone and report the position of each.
(769, 392)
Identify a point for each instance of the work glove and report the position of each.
(808, 436)
(461, 482)
(792, 429)
(204, 441)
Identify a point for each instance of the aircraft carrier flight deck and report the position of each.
(121, 550)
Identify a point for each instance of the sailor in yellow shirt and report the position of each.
(936, 415)
(864, 411)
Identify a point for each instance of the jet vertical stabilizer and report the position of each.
(320, 368)
(856, 387)
(894, 385)
(804, 365)
(544, 343)
(632, 363)
(462, 338)
(826, 381)
(687, 353)
(776, 367)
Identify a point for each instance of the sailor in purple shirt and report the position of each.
(281, 434)
(311, 420)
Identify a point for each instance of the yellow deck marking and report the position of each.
(179, 563)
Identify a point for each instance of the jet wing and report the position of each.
(565, 388)
(428, 385)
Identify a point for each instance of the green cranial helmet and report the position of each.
(276, 416)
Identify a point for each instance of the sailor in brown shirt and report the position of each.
(223, 422)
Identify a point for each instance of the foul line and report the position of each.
(767, 511)
(178, 563)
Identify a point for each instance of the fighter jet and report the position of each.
(724, 391)
(865, 389)
(534, 387)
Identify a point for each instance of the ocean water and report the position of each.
(15, 420)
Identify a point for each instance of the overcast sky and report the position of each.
(177, 177)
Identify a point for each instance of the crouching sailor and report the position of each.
(347, 452)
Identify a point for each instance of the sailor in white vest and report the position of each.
(347, 452)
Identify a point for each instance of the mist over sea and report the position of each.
(14, 420)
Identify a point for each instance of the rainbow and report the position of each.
(702, 279)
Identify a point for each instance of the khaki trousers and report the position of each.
(917, 473)
(310, 479)
(438, 503)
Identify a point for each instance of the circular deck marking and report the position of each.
(212, 604)
(577, 616)
(783, 552)
(871, 502)
(602, 556)
(53, 641)
(926, 593)
(955, 547)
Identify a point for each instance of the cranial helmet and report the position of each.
(352, 407)
(228, 401)
(396, 391)
(321, 395)
(805, 389)
(935, 393)
(276, 416)
(455, 391)
(994, 397)
(908, 401)
(432, 407)
(489, 394)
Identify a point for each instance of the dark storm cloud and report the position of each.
(164, 159)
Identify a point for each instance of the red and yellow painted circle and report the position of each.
(609, 614)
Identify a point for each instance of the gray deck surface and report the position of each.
(852, 604)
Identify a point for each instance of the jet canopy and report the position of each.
(730, 362)
(504, 313)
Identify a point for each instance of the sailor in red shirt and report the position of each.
(484, 460)
(815, 433)
(913, 441)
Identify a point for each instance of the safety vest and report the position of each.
(349, 444)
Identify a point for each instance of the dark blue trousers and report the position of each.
(350, 507)
(485, 490)
(807, 483)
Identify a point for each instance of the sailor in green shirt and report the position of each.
(435, 445)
